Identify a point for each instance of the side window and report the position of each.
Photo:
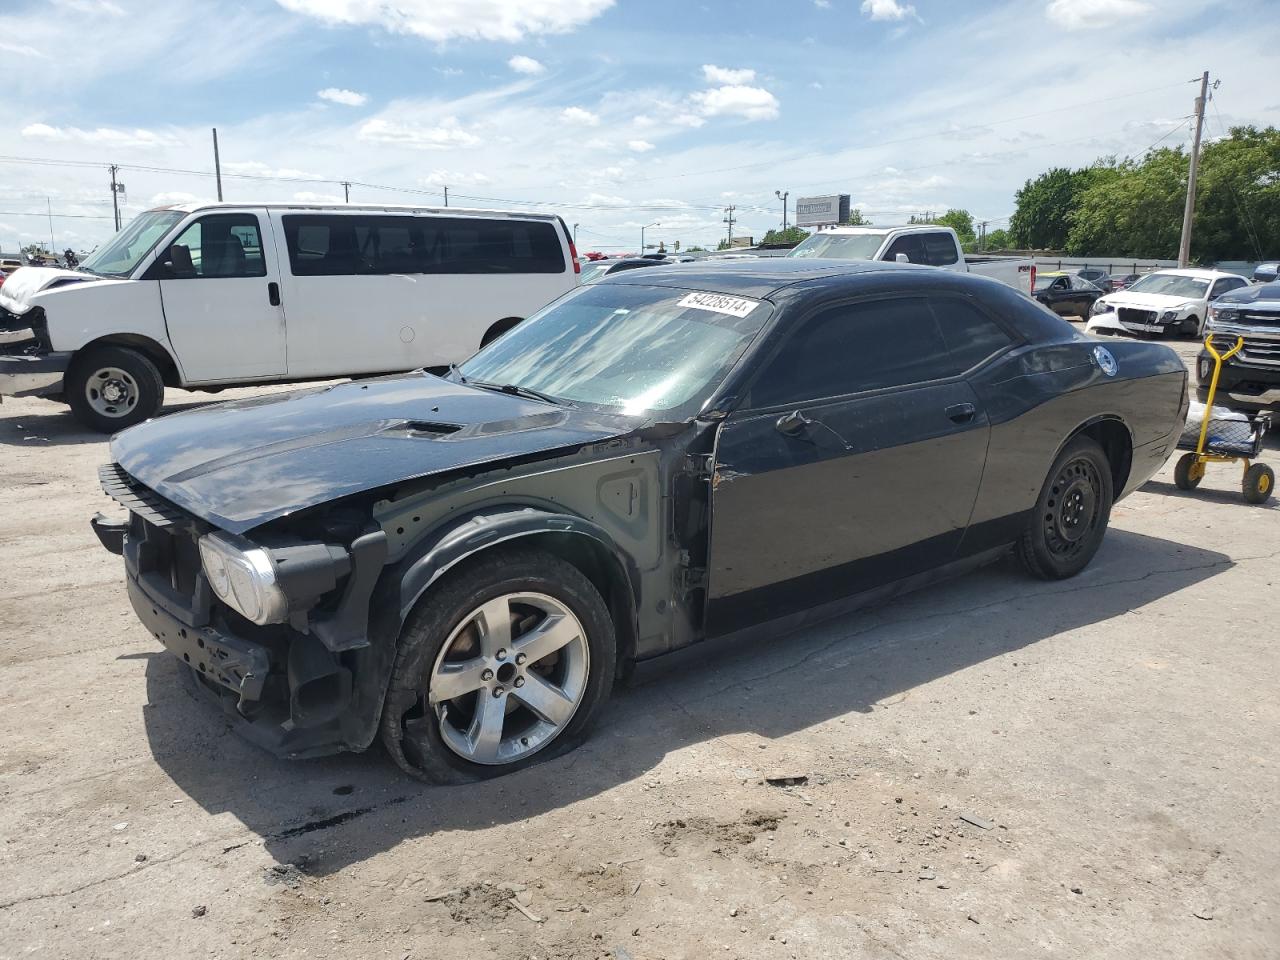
(221, 245)
(475, 245)
(1062, 283)
(1225, 285)
(848, 349)
(970, 335)
(940, 250)
(911, 245)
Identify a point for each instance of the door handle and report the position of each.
(273, 293)
(961, 412)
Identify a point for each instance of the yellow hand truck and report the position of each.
(1238, 441)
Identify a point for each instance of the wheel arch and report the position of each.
(1111, 433)
(498, 329)
(574, 539)
(151, 349)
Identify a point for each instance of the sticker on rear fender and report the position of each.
(719, 303)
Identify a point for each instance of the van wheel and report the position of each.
(504, 663)
(110, 388)
(1071, 514)
(498, 329)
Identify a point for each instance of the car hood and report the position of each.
(1145, 301)
(25, 282)
(246, 462)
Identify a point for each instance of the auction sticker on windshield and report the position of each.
(719, 303)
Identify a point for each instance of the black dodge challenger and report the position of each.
(464, 564)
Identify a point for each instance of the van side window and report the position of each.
(221, 245)
(331, 246)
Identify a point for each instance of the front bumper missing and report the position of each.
(32, 376)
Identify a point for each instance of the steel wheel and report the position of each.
(112, 392)
(1072, 508)
(509, 678)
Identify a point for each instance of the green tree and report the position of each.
(1132, 208)
(999, 240)
(1238, 197)
(961, 221)
(856, 219)
(792, 236)
(1044, 206)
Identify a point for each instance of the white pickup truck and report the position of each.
(930, 245)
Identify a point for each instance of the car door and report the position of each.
(220, 290)
(1083, 294)
(853, 461)
(1057, 295)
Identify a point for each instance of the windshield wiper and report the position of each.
(516, 390)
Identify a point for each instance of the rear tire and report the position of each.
(1185, 474)
(1071, 513)
(470, 696)
(1259, 483)
(110, 388)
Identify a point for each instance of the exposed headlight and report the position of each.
(1168, 316)
(1206, 367)
(1101, 306)
(244, 579)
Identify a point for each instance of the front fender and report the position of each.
(487, 528)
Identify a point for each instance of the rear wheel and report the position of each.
(1188, 472)
(1071, 513)
(1259, 483)
(504, 663)
(110, 388)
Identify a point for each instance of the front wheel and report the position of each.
(110, 388)
(1071, 513)
(504, 663)
(1259, 483)
(1191, 327)
(1188, 472)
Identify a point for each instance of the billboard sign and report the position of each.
(822, 211)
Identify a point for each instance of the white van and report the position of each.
(213, 295)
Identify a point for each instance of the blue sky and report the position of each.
(615, 114)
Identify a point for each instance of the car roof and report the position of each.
(1196, 272)
(194, 206)
(757, 277)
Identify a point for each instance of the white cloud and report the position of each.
(889, 10)
(751, 103)
(102, 135)
(440, 20)
(166, 197)
(92, 6)
(454, 178)
(348, 98)
(306, 196)
(448, 71)
(22, 50)
(527, 65)
(639, 146)
(1092, 14)
(581, 116)
(436, 137)
(822, 4)
(257, 168)
(725, 75)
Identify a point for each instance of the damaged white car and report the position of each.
(1164, 302)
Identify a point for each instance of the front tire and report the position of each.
(1071, 513)
(1259, 483)
(110, 388)
(504, 663)
(1188, 472)
(1190, 327)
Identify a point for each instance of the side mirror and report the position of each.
(793, 424)
(902, 258)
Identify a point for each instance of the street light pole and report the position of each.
(575, 234)
(782, 195)
(642, 230)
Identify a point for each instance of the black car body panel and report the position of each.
(749, 513)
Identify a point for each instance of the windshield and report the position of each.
(120, 255)
(1170, 284)
(633, 348)
(840, 246)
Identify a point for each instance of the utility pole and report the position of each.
(575, 234)
(782, 195)
(346, 191)
(217, 164)
(48, 206)
(728, 218)
(115, 196)
(982, 235)
(446, 195)
(1189, 211)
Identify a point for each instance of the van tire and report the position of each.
(109, 388)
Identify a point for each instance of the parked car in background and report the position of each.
(463, 565)
(1250, 380)
(1120, 281)
(212, 295)
(1066, 294)
(927, 245)
(600, 269)
(1097, 276)
(1266, 272)
(9, 264)
(1162, 303)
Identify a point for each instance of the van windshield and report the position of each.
(839, 246)
(120, 255)
(629, 348)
